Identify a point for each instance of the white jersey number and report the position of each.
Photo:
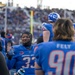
(63, 62)
(27, 63)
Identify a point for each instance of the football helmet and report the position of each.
(53, 16)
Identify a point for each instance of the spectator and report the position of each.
(3, 66)
(2, 40)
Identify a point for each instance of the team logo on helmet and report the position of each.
(53, 16)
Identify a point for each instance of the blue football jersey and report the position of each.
(56, 58)
(23, 58)
(48, 27)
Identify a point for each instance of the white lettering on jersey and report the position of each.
(64, 46)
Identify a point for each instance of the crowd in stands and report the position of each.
(18, 19)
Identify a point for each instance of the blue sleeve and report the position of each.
(47, 27)
(37, 54)
(11, 63)
(44, 28)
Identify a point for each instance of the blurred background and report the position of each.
(17, 16)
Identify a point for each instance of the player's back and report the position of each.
(57, 58)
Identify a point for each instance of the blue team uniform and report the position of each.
(23, 58)
(56, 58)
(48, 27)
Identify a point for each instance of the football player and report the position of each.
(57, 57)
(48, 27)
(23, 55)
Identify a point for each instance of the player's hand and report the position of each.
(20, 72)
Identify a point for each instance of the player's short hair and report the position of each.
(63, 30)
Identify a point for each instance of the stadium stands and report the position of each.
(18, 19)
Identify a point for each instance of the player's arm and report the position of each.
(11, 63)
(46, 35)
(3, 66)
(38, 70)
(38, 67)
(11, 59)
